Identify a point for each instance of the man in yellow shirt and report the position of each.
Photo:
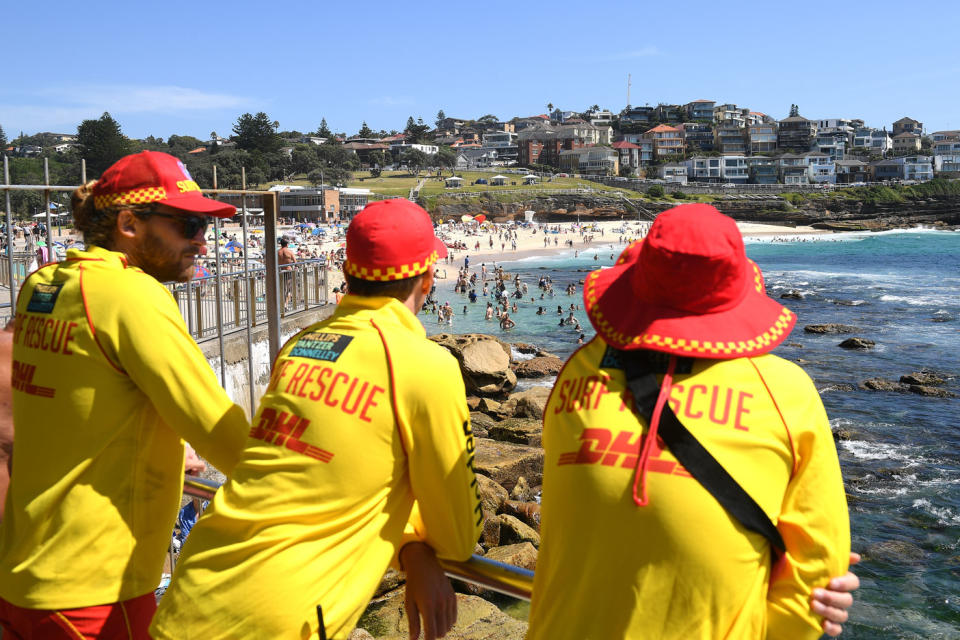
(360, 454)
(633, 543)
(107, 383)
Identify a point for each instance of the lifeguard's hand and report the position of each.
(192, 464)
(428, 594)
(832, 603)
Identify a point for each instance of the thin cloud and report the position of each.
(391, 101)
(645, 52)
(141, 99)
(61, 106)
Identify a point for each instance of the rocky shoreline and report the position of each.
(828, 213)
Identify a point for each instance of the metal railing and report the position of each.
(488, 574)
(242, 297)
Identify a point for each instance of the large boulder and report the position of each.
(528, 403)
(518, 431)
(390, 581)
(492, 495)
(858, 344)
(539, 367)
(882, 384)
(484, 362)
(523, 555)
(528, 512)
(830, 327)
(933, 392)
(515, 531)
(477, 619)
(923, 377)
(480, 423)
(504, 462)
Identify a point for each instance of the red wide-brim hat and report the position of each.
(687, 289)
(391, 240)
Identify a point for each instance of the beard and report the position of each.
(165, 263)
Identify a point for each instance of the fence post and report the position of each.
(9, 220)
(236, 302)
(199, 303)
(270, 210)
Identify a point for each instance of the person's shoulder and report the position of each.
(770, 364)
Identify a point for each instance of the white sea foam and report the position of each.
(882, 451)
(915, 301)
(516, 355)
(944, 515)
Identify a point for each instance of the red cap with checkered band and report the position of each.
(687, 289)
(391, 240)
(152, 176)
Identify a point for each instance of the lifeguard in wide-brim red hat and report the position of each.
(687, 289)
(391, 240)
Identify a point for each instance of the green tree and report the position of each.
(549, 108)
(304, 159)
(656, 191)
(414, 159)
(256, 133)
(365, 131)
(445, 157)
(794, 111)
(181, 146)
(323, 131)
(102, 143)
(3, 137)
(488, 119)
(441, 116)
(329, 175)
(416, 131)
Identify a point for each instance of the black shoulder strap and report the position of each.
(640, 367)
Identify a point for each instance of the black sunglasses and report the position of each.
(189, 225)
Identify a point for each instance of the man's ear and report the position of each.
(426, 283)
(127, 224)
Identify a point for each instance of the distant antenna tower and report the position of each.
(628, 91)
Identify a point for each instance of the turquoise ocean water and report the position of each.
(901, 462)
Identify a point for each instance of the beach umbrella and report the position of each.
(200, 271)
(319, 232)
(233, 245)
(481, 218)
(466, 218)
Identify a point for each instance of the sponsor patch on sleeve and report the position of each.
(43, 298)
(321, 346)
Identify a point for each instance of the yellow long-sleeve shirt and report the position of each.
(362, 416)
(681, 567)
(106, 381)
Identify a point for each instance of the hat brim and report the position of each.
(440, 246)
(201, 205)
(754, 326)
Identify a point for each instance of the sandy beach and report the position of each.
(494, 246)
(602, 235)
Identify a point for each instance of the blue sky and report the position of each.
(193, 67)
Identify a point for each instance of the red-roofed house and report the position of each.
(667, 140)
(629, 155)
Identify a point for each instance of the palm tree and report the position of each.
(549, 108)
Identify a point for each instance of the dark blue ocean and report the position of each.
(901, 455)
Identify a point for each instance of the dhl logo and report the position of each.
(284, 430)
(601, 446)
(21, 379)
